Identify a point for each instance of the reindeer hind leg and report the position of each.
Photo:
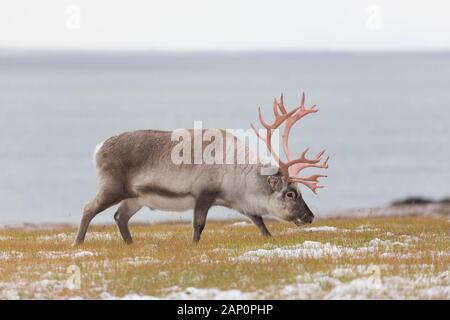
(126, 210)
(104, 199)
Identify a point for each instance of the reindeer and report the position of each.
(135, 169)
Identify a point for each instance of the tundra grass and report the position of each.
(362, 258)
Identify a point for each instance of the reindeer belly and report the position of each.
(167, 203)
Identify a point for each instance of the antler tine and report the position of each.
(302, 101)
(256, 131)
(320, 154)
(296, 165)
(268, 138)
(316, 158)
(302, 111)
(275, 108)
(279, 119)
(302, 162)
(311, 182)
(313, 178)
(261, 119)
(281, 105)
(325, 164)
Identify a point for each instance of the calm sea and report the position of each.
(384, 119)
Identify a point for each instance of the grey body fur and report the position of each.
(135, 170)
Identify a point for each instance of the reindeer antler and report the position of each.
(296, 165)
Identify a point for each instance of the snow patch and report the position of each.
(308, 249)
(240, 224)
(83, 254)
(366, 228)
(188, 294)
(210, 294)
(138, 261)
(62, 254)
(376, 242)
(6, 255)
(394, 287)
(320, 229)
(63, 237)
(316, 250)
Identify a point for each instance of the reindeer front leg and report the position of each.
(259, 222)
(204, 201)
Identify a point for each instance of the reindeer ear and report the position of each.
(275, 183)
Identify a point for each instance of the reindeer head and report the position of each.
(285, 198)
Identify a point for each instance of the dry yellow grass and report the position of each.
(340, 258)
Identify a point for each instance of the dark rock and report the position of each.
(412, 201)
(444, 201)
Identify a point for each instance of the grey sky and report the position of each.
(226, 24)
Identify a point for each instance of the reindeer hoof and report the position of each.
(76, 243)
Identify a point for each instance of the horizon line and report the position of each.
(61, 50)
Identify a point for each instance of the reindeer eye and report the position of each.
(291, 194)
